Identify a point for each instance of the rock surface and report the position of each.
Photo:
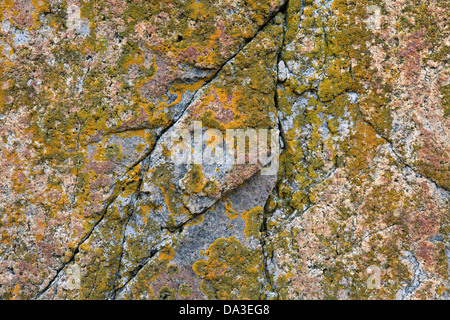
(94, 205)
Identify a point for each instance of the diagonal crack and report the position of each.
(132, 210)
(84, 239)
(397, 156)
(146, 158)
(282, 8)
(139, 267)
(207, 82)
(179, 227)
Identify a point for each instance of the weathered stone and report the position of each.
(95, 202)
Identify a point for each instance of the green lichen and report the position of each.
(162, 176)
(231, 271)
(193, 180)
(211, 189)
(253, 220)
(167, 293)
(445, 90)
(184, 290)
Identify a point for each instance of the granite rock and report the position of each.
(97, 98)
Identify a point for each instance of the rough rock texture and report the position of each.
(91, 93)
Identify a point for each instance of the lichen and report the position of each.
(230, 272)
